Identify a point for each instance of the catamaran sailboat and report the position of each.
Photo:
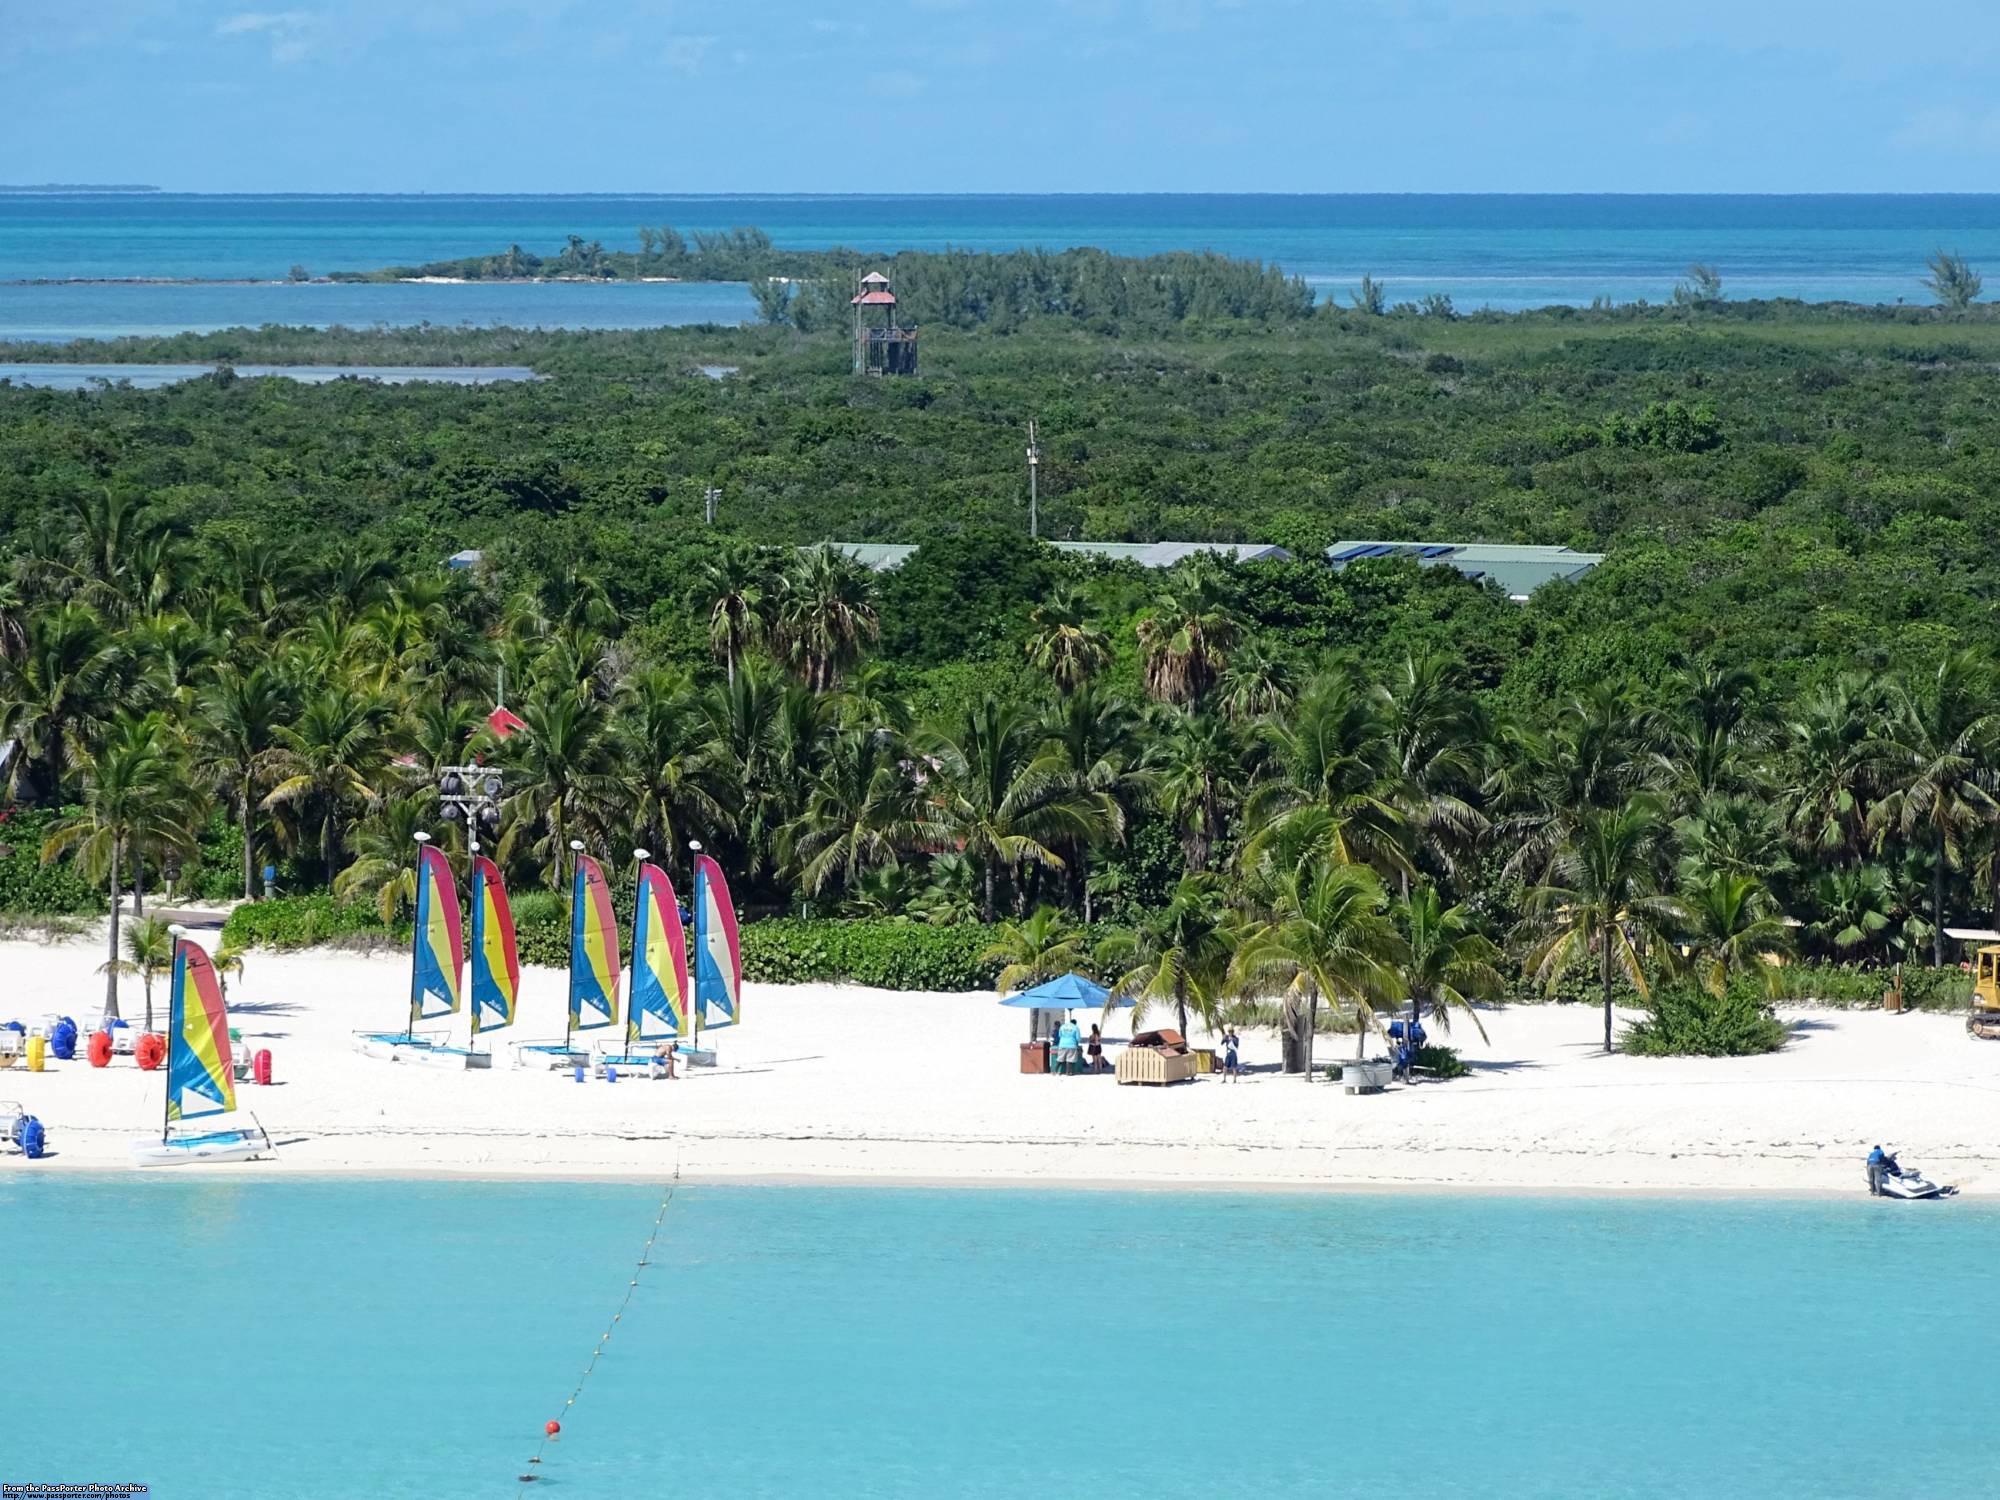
(593, 968)
(659, 983)
(437, 967)
(200, 1080)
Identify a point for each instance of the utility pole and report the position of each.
(1034, 485)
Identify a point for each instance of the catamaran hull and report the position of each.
(242, 1144)
(549, 1056)
(397, 1048)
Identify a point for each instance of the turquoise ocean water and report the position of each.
(222, 1338)
(1500, 251)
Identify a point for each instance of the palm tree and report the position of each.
(1733, 925)
(1327, 935)
(1196, 767)
(1446, 963)
(1938, 765)
(1258, 683)
(54, 697)
(1544, 784)
(666, 769)
(1042, 946)
(133, 788)
(992, 798)
(558, 768)
(1090, 734)
(236, 734)
(1179, 954)
(732, 590)
(1066, 643)
(1186, 637)
(385, 863)
(825, 615)
(330, 762)
(149, 950)
(1832, 767)
(861, 815)
(1335, 773)
(1601, 896)
(1438, 738)
(1857, 907)
(1952, 281)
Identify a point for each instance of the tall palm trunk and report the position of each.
(1604, 970)
(1937, 906)
(111, 970)
(249, 851)
(138, 884)
(986, 907)
(1180, 1005)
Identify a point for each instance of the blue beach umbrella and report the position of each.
(1071, 992)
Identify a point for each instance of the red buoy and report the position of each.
(260, 1065)
(100, 1049)
(554, 1428)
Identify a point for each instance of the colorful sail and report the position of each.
(200, 1080)
(496, 964)
(718, 958)
(659, 959)
(593, 948)
(438, 951)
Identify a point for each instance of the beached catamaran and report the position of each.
(659, 982)
(437, 972)
(593, 967)
(200, 1079)
(496, 961)
(718, 956)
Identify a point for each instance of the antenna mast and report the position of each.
(1034, 485)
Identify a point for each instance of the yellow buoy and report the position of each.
(38, 1046)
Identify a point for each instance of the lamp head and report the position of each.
(422, 838)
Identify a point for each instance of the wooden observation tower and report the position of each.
(882, 346)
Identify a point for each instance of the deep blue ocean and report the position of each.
(229, 1337)
(1498, 251)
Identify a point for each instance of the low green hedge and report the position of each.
(784, 950)
(884, 954)
(1924, 988)
(302, 922)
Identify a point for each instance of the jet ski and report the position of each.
(1909, 1182)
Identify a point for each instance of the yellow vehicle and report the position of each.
(1984, 1017)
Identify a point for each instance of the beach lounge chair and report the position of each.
(1156, 1057)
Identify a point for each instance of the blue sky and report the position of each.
(1003, 95)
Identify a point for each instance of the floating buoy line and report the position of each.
(552, 1429)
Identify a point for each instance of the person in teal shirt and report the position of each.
(1067, 1044)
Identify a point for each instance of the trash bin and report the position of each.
(1034, 1057)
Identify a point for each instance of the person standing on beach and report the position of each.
(1232, 1072)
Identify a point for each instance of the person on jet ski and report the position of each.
(1882, 1165)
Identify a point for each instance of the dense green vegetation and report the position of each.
(809, 290)
(224, 611)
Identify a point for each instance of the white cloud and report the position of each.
(685, 54)
(292, 34)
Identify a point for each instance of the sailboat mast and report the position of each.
(632, 1019)
(176, 998)
(416, 939)
(700, 930)
(478, 945)
(575, 921)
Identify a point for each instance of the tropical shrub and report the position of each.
(29, 887)
(301, 922)
(1441, 1064)
(1684, 1020)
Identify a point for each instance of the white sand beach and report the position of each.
(833, 1081)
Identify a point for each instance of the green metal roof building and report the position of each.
(1519, 570)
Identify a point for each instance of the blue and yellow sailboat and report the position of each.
(200, 1079)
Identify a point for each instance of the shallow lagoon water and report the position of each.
(234, 1337)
